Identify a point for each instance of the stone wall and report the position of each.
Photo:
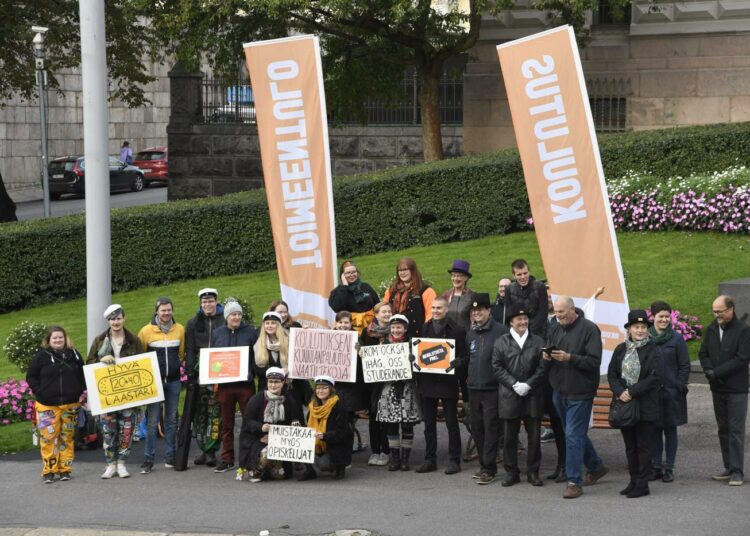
(20, 137)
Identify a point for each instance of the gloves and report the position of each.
(522, 389)
(107, 360)
(710, 375)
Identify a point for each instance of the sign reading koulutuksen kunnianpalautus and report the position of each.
(316, 352)
(386, 362)
(291, 444)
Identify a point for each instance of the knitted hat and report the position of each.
(232, 307)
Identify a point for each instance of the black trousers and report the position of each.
(429, 416)
(730, 410)
(555, 424)
(485, 427)
(510, 444)
(638, 440)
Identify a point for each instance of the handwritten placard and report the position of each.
(224, 365)
(435, 356)
(313, 352)
(386, 362)
(130, 382)
(291, 444)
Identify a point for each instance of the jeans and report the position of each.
(730, 410)
(665, 440)
(171, 399)
(575, 416)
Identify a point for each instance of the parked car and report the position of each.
(237, 107)
(154, 162)
(67, 176)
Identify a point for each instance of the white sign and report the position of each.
(224, 365)
(386, 362)
(291, 444)
(314, 352)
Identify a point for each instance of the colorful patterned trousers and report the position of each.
(57, 429)
(117, 428)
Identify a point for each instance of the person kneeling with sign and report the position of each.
(265, 408)
(333, 440)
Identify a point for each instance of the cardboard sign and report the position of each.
(386, 362)
(313, 352)
(291, 444)
(224, 365)
(130, 382)
(433, 355)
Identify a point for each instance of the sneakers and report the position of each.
(383, 459)
(373, 459)
(477, 475)
(735, 479)
(110, 471)
(122, 471)
(485, 479)
(147, 467)
(724, 475)
(223, 467)
(547, 436)
(49, 478)
(572, 491)
(169, 463)
(64, 476)
(592, 478)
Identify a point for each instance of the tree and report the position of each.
(367, 44)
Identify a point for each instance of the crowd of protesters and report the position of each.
(519, 359)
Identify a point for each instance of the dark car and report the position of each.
(154, 162)
(66, 176)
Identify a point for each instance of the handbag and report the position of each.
(623, 414)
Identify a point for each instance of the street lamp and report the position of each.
(41, 80)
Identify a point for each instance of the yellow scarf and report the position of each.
(318, 420)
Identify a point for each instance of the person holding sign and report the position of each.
(230, 395)
(355, 296)
(397, 406)
(267, 407)
(351, 394)
(519, 369)
(55, 376)
(410, 296)
(333, 440)
(433, 388)
(117, 427)
(377, 333)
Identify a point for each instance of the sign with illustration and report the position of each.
(386, 362)
(224, 365)
(130, 382)
(435, 356)
(291, 444)
(314, 352)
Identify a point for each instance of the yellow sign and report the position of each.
(131, 381)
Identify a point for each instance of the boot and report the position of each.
(405, 453)
(395, 464)
(211, 459)
(308, 473)
(340, 472)
(122, 471)
(110, 471)
(559, 470)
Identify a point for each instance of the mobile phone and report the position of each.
(549, 349)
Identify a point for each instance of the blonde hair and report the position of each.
(261, 356)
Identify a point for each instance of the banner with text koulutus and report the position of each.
(130, 382)
(316, 352)
(287, 81)
(564, 177)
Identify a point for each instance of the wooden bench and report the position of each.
(602, 401)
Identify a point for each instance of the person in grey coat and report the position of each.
(519, 369)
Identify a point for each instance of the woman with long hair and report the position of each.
(282, 309)
(410, 296)
(55, 376)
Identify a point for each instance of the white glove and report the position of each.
(107, 360)
(523, 389)
(515, 388)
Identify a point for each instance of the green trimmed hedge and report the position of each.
(459, 199)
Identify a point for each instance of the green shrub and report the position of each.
(24, 342)
(459, 199)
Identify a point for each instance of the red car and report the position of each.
(154, 164)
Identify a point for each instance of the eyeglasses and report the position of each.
(403, 270)
(274, 381)
(717, 313)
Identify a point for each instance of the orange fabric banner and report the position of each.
(287, 81)
(564, 177)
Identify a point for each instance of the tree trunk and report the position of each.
(7, 206)
(429, 106)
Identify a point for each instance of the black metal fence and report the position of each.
(235, 103)
(608, 98)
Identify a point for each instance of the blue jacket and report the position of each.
(480, 342)
(245, 335)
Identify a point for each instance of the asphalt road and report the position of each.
(399, 503)
(33, 210)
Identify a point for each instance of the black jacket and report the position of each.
(56, 378)
(480, 343)
(252, 423)
(342, 299)
(513, 364)
(498, 310)
(534, 298)
(338, 436)
(647, 390)
(674, 378)
(578, 378)
(244, 335)
(198, 333)
(443, 385)
(728, 357)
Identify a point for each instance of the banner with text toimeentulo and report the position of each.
(287, 81)
(564, 177)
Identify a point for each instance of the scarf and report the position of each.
(356, 290)
(400, 300)
(274, 410)
(631, 365)
(394, 340)
(520, 339)
(439, 326)
(273, 346)
(164, 327)
(660, 338)
(318, 420)
(376, 331)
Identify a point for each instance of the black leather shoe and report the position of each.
(452, 468)
(628, 488)
(562, 477)
(638, 492)
(534, 480)
(656, 475)
(510, 480)
(427, 467)
(560, 469)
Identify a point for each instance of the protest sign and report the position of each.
(313, 352)
(386, 362)
(224, 365)
(433, 355)
(291, 444)
(130, 382)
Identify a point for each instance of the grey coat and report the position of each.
(512, 364)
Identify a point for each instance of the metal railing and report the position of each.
(228, 104)
(608, 98)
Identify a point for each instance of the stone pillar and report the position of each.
(186, 110)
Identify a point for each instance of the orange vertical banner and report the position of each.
(564, 177)
(287, 81)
